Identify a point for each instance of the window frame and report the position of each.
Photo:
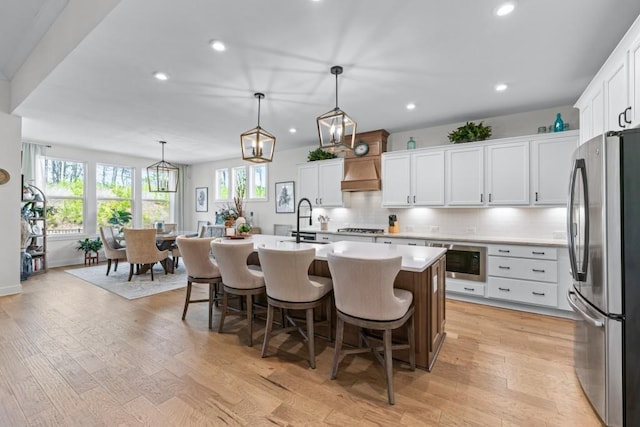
(144, 191)
(51, 232)
(217, 196)
(101, 199)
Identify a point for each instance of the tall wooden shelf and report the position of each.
(34, 204)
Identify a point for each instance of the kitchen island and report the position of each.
(422, 272)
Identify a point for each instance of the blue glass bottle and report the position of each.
(411, 144)
(558, 126)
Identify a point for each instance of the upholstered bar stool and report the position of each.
(237, 279)
(289, 286)
(141, 249)
(365, 297)
(200, 269)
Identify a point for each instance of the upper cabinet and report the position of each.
(465, 176)
(320, 182)
(508, 174)
(610, 100)
(550, 168)
(413, 179)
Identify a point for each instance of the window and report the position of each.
(114, 191)
(64, 187)
(155, 206)
(240, 182)
(258, 182)
(222, 184)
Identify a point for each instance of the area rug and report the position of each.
(138, 287)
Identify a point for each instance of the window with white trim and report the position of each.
(114, 191)
(64, 187)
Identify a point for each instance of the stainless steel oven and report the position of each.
(465, 262)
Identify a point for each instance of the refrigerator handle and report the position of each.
(595, 322)
(578, 166)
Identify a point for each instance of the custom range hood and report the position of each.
(362, 165)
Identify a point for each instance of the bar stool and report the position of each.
(237, 279)
(365, 297)
(200, 269)
(289, 286)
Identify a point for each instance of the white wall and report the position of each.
(10, 147)
(365, 207)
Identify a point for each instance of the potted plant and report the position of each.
(90, 248)
(120, 218)
(470, 132)
(319, 154)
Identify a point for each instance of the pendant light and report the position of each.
(163, 176)
(334, 126)
(257, 144)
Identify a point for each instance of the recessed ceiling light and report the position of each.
(505, 8)
(161, 76)
(411, 106)
(292, 130)
(501, 87)
(217, 45)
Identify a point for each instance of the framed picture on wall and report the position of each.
(285, 197)
(202, 199)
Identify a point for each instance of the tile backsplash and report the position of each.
(365, 211)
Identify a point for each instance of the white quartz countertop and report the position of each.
(414, 258)
(467, 238)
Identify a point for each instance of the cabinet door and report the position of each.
(330, 174)
(634, 83)
(396, 180)
(616, 95)
(308, 182)
(586, 122)
(551, 164)
(597, 113)
(465, 176)
(427, 178)
(508, 174)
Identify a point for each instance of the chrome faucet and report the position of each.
(304, 199)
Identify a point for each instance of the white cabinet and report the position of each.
(320, 182)
(508, 174)
(550, 168)
(616, 94)
(400, 241)
(634, 83)
(465, 176)
(413, 179)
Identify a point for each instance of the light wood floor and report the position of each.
(74, 354)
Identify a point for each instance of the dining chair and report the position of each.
(365, 297)
(237, 279)
(289, 286)
(112, 249)
(141, 249)
(200, 269)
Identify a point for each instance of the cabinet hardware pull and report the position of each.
(504, 267)
(619, 120)
(414, 199)
(470, 289)
(536, 196)
(504, 251)
(320, 200)
(407, 199)
(481, 198)
(625, 115)
(540, 294)
(412, 244)
(537, 253)
(387, 242)
(316, 200)
(536, 270)
(504, 289)
(489, 197)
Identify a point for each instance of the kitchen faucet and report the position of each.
(304, 199)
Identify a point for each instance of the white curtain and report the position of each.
(179, 199)
(32, 167)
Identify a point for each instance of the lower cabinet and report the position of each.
(466, 287)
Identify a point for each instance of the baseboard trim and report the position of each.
(10, 290)
(513, 306)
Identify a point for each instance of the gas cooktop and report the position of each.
(361, 230)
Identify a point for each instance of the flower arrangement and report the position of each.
(228, 212)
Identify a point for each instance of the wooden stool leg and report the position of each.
(130, 272)
(212, 292)
(115, 267)
(388, 361)
(329, 320)
(108, 265)
(412, 343)
(186, 300)
(311, 339)
(151, 269)
(338, 347)
(223, 313)
(267, 332)
(250, 318)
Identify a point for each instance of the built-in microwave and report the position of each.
(465, 262)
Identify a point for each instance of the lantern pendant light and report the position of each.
(257, 144)
(336, 130)
(163, 176)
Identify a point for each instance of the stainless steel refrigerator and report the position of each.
(603, 230)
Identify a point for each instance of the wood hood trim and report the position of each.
(364, 173)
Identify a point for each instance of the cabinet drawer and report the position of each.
(523, 291)
(523, 268)
(400, 241)
(324, 237)
(465, 287)
(523, 251)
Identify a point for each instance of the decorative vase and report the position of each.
(558, 125)
(411, 144)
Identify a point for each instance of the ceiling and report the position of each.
(444, 56)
